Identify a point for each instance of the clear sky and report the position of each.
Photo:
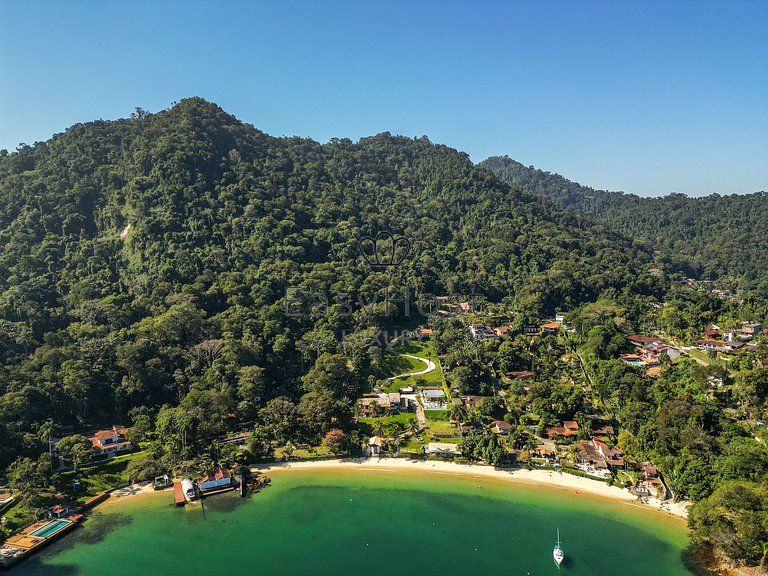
(646, 97)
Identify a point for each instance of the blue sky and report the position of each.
(646, 97)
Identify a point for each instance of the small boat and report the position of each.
(558, 553)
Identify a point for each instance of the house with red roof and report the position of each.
(569, 428)
(110, 442)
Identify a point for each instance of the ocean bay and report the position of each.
(344, 523)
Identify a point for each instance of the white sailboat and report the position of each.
(558, 553)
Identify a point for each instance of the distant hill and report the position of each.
(124, 244)
(713, 237)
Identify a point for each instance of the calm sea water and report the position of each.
(371, 524)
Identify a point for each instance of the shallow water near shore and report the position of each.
(345, 523)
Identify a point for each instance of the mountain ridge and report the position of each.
(711, 237)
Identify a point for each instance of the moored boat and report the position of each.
(558, 553)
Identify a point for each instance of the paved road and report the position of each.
(430, 367)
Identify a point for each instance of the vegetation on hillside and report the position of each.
(711, 238)
(190, 276)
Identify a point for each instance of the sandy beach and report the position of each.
(552, 478)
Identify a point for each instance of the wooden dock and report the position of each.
(178, 493)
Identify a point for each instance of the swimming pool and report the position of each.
(50, 528)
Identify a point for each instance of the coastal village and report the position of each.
(420, 413)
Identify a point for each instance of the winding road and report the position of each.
(430, 366)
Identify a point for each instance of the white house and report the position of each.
(442, 449)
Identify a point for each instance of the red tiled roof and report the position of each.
(560, 431)
(603, 430)
(710, 342)
(217, 474)
(639, 338)
(519, 374)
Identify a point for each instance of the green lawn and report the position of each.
(704, 357)
(393, 364)
(441, 427)
(366, 424)
(304, 454)
(424, 349)
(94, 478)
(414, 445)
(437, 415)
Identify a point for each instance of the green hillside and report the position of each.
(711, 238)
(146, 261)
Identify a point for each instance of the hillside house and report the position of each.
(568, 429)
(482, 332)
(718, 345)
(501, 330)
(550, 328)
(519, 375)
(749, 330)
(501, 427)
(110, 442)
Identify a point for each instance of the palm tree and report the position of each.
(396, 427)
(47, 432)
(378, 428)
(459, 412)
(413, 426)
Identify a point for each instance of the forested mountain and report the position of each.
(712, 237)
(146, 260)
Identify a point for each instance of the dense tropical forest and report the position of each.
(710, 238)
(181, 271)
(126, 243)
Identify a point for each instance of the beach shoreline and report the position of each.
(550, 478)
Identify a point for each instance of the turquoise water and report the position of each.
(49, 529)
(370, 523)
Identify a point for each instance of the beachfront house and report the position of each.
(374, 446)
(442, 449)
(613, 457)
(219, 479)
(57, 511)
(110, 442)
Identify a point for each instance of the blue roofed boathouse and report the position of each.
(219, 479)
